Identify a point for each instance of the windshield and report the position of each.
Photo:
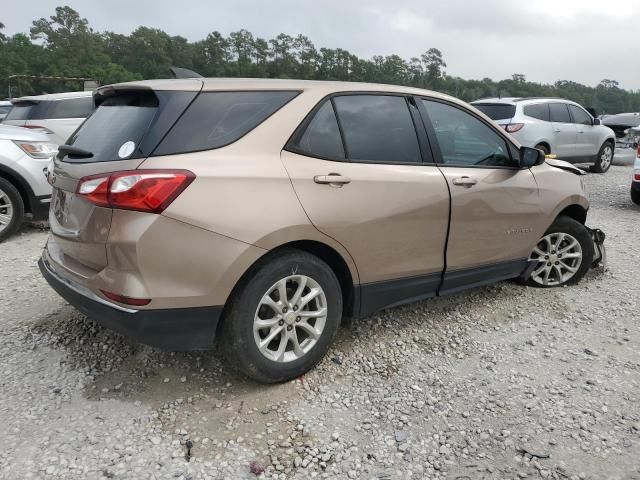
(496, 111)
(22, 111)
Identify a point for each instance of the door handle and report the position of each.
(464, 182)
(332, 179)
(556, 130)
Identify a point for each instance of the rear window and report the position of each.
(496, 111)
(22, 111)
(70, 108)
(116, 128)
(216, 119)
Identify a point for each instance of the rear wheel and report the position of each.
(563, 255)
(11, 209)
(283, 319)
(635, 195)
(604, 159)
(544, 148)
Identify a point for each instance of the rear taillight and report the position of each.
(39, 128)
(514, 127)
(636, 177)
(149, 191)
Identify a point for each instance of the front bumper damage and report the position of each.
(600, 252)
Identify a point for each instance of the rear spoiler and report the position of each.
(178, 72)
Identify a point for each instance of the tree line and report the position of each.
(64, 45)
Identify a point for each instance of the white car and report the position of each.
(627, 129)
(555, 126)
(24, 190)
(5, 106)
(58, 114)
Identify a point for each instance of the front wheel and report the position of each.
(283, 318)
(604, 159)
(11, 209)
(563, 255)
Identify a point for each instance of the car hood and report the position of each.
(562, 165)
(8, 132)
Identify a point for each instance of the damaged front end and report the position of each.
(600, 252)
(626, 127)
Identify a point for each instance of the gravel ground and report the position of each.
(503, 382)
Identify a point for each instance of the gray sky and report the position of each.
(547, 40)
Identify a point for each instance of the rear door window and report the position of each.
(580, 116)
(70, 108)
(539, 111)
(322, 137)
(378, 128)
(496, 111)
(559, 113)
(216, 119)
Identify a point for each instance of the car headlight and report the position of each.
(41, 150)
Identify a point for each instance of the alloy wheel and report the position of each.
(290, 318)
(606, 157)
(558, 257)
(6, 210)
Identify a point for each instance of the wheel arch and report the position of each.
(331, 256)
(544, 143)
(574, 211)
(21, 185)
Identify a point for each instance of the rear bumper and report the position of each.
(181, 329)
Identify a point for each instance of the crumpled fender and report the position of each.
(561, 164)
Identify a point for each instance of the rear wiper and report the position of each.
(74, 152)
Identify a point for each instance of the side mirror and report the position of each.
(530, 157)
(597, 121)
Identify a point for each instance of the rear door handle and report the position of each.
(467, 182)
(332, 179)
(556, 130)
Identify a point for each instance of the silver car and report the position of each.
(24, 190)
(58, 115)
(555, 126)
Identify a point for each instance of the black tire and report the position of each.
(601, 165)
(544, 148)
(578, 231)
(17, 209)
(237, 336)
(635, 195)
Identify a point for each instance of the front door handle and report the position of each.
(556, 130)
(467, 182)
(332, 179)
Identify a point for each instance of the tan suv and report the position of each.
(265, 211)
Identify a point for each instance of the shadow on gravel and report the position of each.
(118, 368)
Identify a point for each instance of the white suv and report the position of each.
(555, 126)
(24, 158)
(58, 114)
